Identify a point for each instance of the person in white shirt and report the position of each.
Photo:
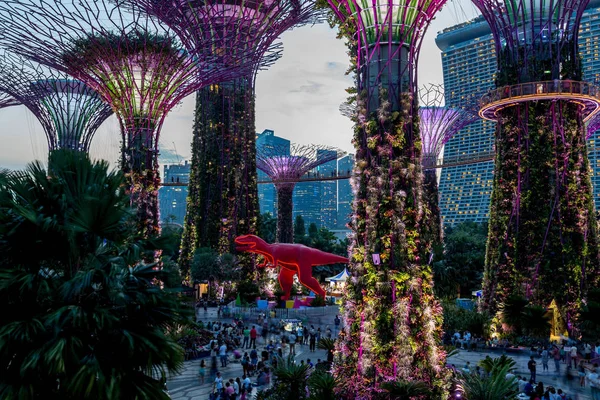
(223, 354)
(594, 382)
(522, 383)
(574, 355)
(246, 383)
(218, 385)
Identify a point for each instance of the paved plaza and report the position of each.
(187, 386)
(549, 378)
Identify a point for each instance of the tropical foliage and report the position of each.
(543, 239)
(491, 387)
(290, 381)
(222, 194)
(457, 319)
(523, 318)
(84, 316)
(459, 270)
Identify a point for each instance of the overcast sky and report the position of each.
(298, 98)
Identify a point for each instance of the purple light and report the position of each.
(69, 111)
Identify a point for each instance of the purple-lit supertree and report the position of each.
(6, 100)
(438, 124)
(223, 197)
(393, 321)
(133, 61)
(542, 242)
(285, 166)
(69, 111)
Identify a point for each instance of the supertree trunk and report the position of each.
(285, 206)
(543, 234)
(393, 321)
(140, 165)
(223, 196)
(433, 226)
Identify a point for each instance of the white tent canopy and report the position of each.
(341, 277)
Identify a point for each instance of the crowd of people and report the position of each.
(257, 347)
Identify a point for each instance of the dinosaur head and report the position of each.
(248, 243)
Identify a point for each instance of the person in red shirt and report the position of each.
(253, 335)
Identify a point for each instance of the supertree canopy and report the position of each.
(69, 111)
(393, 322)
(285, 167)
(438, 124)
(133, 61)
(6, 100)
(223, 197)
(542, 243)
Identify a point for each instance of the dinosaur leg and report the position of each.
(286, 280)
(305, 277)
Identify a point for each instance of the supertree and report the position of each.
(69, 111)
(393, 321)
(223, 197)
(133, 61)
(542, 242)
(438, 125)
(6, 100)
(285, 166)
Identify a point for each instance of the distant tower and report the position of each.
(69, 111)
(285, 171)
(393, 325)
(438, 124)
(133, 61)
(543, 242)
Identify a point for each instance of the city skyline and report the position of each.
(297, 86)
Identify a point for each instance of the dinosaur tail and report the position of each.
(328, 258)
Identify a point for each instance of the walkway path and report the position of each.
(186, 386)
(549, 378)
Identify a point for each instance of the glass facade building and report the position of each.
(172, 199)
(345, 195)
(469, 65)
(267, 195)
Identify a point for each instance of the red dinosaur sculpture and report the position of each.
(292, 258)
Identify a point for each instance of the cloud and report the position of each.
(298, 97)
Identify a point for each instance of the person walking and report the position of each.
(574, 356)
(532, 366)
(202, 372)
(594, 382)
(246, 342)
(313, 339)
(253, 335)
(218, 384)
(556, 357)
(292, 343)
(223, 355)
(545, 358)
(337, 321)
(299, 335)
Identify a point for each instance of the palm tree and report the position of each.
(83, 316)
(405, 390)
(493, 387)
(322, 386)
(329, 345)
(291, 378)
(490, 364)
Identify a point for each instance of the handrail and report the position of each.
(585, 93)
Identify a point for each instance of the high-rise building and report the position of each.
(316, 201)
(469, 66)
(267, 195)
(345, 195)
(172, 199)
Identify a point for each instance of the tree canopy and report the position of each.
(84, 316)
